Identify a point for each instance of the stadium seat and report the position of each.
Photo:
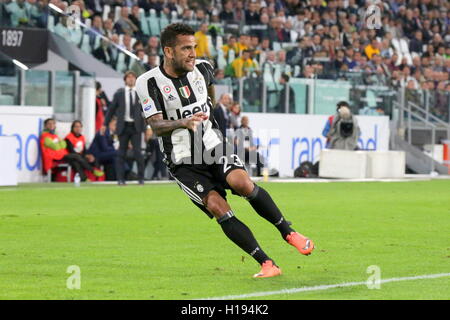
(231, 56)
(212, 49)
(276, 46)
(133, 41)
(221, 62)
(144, 23)
(121, 66)
(51, 23)
(163, 22)
(117, 13)
(85, 45)
(6, 100)
(76, 36)
(106, 11)
(219, 43)
(97, 42)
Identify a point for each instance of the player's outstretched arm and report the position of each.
(165, 127)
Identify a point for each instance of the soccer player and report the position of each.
(177, 98)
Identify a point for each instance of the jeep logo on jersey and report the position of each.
(186, 112)
(185, 92)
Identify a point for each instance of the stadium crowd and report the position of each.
(314, 38)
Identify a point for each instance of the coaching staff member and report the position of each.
(130, 125)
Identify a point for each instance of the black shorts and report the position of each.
(198, 180)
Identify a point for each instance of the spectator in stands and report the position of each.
(152, 61)
(108, 28)
(135, 18)
(104, 53)
(104, 151)
(95, 31)
(230, 50)
(202, 50)
(139, 66)
(244, 65)
(152, 46)
(235, 115)
(239, 12)
(222, 113)
(18, 13)
(242, 44)
(251, 14)
(95, 7)
(284, 82)
(124, 25)
(416, 44)
(227, 14)
(372, 48)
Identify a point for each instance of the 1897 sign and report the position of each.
(24, 44)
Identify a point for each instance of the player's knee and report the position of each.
(243, 187)
(213, 202)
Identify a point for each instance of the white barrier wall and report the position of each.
(25, 124)
(8, 173)
(287, 140)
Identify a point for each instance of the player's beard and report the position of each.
(179, 67)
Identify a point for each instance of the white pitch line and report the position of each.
(323, 287)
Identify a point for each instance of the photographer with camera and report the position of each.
(344, 131)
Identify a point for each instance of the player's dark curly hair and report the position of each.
(170, 33)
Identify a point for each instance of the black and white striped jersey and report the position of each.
(177, 98)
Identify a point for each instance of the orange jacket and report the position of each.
(53, 148)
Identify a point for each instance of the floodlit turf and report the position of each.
(151, 242)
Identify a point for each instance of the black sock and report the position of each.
(241, 235)
(263, 204)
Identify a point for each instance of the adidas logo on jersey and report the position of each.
(171, 98)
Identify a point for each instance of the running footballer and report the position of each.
(177, 98)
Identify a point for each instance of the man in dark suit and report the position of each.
(284, 82)
(221, 112)
(130, 125)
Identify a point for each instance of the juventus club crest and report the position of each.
(185, 92)
(198, 83)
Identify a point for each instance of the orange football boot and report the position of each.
(303, 244)
(268, 269)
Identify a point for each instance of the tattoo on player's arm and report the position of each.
(212, 95)
(164, 127)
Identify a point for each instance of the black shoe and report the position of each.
(141, 182)
(121, 183)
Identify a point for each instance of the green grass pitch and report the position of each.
(151, 242)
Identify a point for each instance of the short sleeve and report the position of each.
(207, 71)
(147, 93)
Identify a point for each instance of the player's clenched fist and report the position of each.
(193, 122)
